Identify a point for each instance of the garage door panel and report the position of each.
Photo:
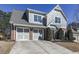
(22, 34)
(19, 36)
(37, 33)
(35, 36)
(26, 34)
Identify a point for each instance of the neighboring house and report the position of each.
(30, 24)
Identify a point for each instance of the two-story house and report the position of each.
(30, 24)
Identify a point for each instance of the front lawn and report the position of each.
(5, 46)
(73, 46)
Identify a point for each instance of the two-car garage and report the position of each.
(24, 34)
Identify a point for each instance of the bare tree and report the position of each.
(75, 23)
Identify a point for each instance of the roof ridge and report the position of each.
(34, 10)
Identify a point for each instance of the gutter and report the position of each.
(30, 25)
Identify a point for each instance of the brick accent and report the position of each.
(13, 33)
(30, 34)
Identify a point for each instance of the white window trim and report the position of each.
(37, 18)
(57, 22)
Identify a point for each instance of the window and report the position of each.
(19, 30)
(35, 31)
(26, 30)
(37, 18)
(57, 20)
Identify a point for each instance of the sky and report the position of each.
(69, 9)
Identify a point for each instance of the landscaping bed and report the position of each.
(70, 45)
(5, 46)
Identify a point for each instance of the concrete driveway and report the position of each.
(38, 47)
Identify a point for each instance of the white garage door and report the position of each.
(37, 34)
(22, 34)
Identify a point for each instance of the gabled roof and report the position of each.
(58, 8)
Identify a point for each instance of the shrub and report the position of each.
(49, 34)
(66, 36)
(61, 34)
(56, 35)
(69, 35)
